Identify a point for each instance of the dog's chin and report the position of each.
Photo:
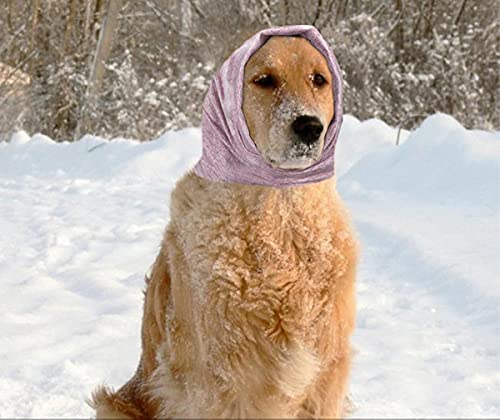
(296, 156)
(296, 163)
(293, 162)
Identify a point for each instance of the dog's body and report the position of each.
(249, 308)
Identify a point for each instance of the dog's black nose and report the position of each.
(307, 128)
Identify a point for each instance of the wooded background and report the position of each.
(138, 68)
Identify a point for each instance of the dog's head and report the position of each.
(288, 101)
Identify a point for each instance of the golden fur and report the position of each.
(249, 308)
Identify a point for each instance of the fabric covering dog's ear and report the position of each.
(229, 154)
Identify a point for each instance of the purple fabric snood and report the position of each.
(229, 153)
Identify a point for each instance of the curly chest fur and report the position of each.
(271, 259)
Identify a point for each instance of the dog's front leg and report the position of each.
(327, 398)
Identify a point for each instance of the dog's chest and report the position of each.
(271, 268)
(257, 273)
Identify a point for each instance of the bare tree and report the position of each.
(103, 50)
(104, 45)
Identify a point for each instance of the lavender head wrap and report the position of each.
(229, 153)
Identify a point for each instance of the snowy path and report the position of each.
(427, 341)
(71, 266)
(79, 230)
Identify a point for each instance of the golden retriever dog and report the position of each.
(250, 306)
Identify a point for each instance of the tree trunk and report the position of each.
(428, 20)
(186, 18)
(99, 6)
(103, 50)
(460, 12)
(104, 45)
(9, 16)
(399, 40)
(70, 24)
(35, 11)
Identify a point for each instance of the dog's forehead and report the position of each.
(283, 51)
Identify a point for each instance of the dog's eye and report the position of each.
(265, 81)
(318, 79)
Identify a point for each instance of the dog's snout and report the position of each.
(307, 128)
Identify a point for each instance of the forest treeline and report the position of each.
(138, 68)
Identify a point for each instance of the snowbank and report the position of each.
(439, 162)
(96, 158)
(81, 222)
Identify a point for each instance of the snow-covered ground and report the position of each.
(80, 225)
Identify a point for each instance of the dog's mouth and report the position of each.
(298, 156)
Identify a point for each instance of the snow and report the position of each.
(81, 224)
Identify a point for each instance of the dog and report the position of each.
(250, 304)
